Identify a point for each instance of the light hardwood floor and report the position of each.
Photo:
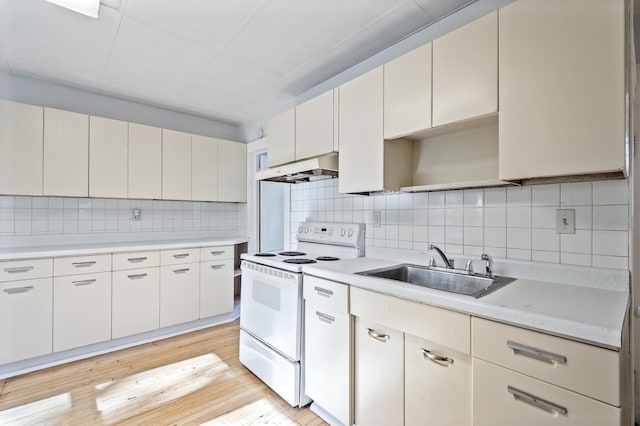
(190, 379)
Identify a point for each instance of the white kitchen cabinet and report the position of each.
(21, 148)
(145, 162)
(136, 301)
(108, 140)
(465, 72)
(25, 319)
(368, 162)
(179, 293)
(281, 136)
(407, 93)
(176, 165)
(437, 384)
(81, 310)
(379, 374)
(66, 153)
(232, 171)
(216, 288)
(204, 168)
(316, 130)
(562, 88)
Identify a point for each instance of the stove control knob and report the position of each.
(306, 229)
(300, 230)
(351, 232)
(342, 232)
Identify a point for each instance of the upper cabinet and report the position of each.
(145, 161)
(465, 72)
(407, 93)
(176, 165)
(204, 168)
(562, 88)
(316, 126)
(281, 133)
(21, 134)
(232, 171)
(108, 157)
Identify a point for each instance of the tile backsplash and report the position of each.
(39, 216)
(512, 223)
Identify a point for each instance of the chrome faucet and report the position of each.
(489, 264)
(447, 262)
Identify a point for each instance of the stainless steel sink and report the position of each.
(441, 279)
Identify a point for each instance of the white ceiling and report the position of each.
(225, 59)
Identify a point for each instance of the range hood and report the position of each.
(325, 167)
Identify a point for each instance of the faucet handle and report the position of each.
(469, 267)
(432, 260)
(489, 264)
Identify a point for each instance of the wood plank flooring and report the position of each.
(192, 379)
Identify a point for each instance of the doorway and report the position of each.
(270, 211)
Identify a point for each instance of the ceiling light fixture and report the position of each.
(85, 7)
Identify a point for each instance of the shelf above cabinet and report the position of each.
(458, 185)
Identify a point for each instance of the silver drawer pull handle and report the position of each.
(180, 271)
(377, 335)
(217, 253)
(324, 317)
(539, 354)
(136, 259)
(83, 264)
(180, 256)
(16, 290)
(136, 277)
(438, 359)
(542, 404)
(18, 269)
(217, 266)
(83, 282)
(323, 291)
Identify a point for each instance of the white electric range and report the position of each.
(271, 306)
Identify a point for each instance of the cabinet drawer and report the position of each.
(583, 368)
(504, 397)
(135, 260)
(175, 257)
(13, 270)
(448, 328)
(216, 253)
(326, 293)
(81, 265)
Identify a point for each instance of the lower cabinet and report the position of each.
(25, 319)
(216, 288)
(81, 310)
(179, 293)
(136, 301)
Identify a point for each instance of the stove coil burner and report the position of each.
(327, 258)
(299, 261)
(292, 253)
(265, 255)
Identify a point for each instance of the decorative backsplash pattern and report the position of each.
(512, 223)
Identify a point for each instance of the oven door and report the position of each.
(271, 307)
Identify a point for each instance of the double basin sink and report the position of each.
(450, 280)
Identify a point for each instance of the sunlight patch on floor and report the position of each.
(37, 412)
(260, 412)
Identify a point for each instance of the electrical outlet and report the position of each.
(565, 221)
(377, 218)
(136, 214)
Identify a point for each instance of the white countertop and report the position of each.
(588, 314)
(14, 253)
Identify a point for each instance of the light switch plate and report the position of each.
(377, 218)
(565, 221)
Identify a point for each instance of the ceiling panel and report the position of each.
(436, 9)
(52, 38)
(284, 34)
(208, 22)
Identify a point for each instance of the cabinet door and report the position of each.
(81, 310)
(21, 134)
(145, 161)
(314, 128)
(66, 153)
(136, 301)
(25, 319)
(204, 168)
(176, 165)
(179, 293)
(437, 384)
(232, 171)
(465, 72)
(562, 89)
(216, 288)
(281, 136)
(360, 132)
(407, 93)
(108, 157)
(379, 374)
(328, 360)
